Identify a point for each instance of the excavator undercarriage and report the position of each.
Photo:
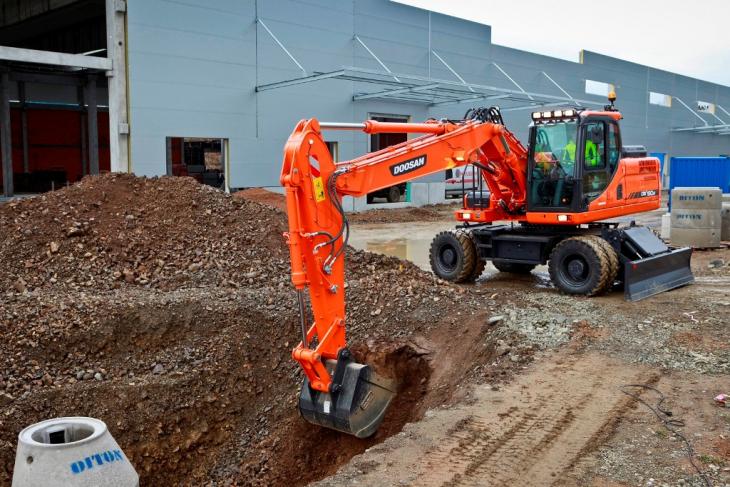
(586, 260)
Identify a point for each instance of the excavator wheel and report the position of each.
(454, 257)
(513, 267)
(480, 265)
(579, 265)
(613, 262)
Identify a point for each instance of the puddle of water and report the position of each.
(412, 241)
(409, 241)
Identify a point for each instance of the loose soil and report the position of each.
(165, 309)
(378, 215)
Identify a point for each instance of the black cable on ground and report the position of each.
(665, 417)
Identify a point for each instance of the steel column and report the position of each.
(116, 43)
(168, 151)
(5, 134)
(92, 124)
(23, 126)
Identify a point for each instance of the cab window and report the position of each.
(595, 146)
(553, 164)
(595, 175)
(613, 151)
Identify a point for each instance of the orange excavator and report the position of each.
(550, 198)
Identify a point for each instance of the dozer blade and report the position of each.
(357, 408)
(658, 273)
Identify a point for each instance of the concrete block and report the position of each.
(697, 198)
(436, 193)
(360, 204)
(348, 203)
(692, 218)
(71, 452)
(419, 194)
(725, 226)
(695, 237)
(666, 226)
(726, 197)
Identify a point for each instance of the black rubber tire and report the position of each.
(578, 265)
(613, 262)
(393, 194)
(481, 263)
(513, 267)
(453, 256)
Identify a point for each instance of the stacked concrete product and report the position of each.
(725, 232)
(696, 217)
(666, 226)
(71, 452)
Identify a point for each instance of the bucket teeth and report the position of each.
(357, 408)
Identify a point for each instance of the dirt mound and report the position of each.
(260, 195)
(164, 308)
(428, 213)
(113, 230)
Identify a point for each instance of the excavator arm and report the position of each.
(339, 393)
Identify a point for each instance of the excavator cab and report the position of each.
(552, 164)
(572, 158)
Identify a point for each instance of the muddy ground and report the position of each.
(164, 308)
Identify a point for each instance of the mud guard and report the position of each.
(357, 407)
(655, 267)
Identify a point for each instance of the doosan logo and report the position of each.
(408, 166)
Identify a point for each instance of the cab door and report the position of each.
(600, 149)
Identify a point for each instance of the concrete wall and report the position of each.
(193, 68)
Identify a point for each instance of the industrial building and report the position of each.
(212, 89)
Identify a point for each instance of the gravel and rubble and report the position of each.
(165, 308)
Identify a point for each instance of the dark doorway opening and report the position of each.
(202, 159)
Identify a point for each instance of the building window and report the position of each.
(598, 88)
(202, 159)
(334, 149)
(705, 107)
(660, 99)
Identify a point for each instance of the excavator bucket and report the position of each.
(358, 406)
(652, 267)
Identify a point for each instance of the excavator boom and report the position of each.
(339, 393)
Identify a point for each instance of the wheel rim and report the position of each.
(448, 258)
(575, 270)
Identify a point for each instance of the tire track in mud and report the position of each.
(531, 433)
(535, 442)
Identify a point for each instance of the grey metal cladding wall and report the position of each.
(191, 69)
(194, 66)
(633, 84)
(319, 36)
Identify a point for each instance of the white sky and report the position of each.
(687, 37)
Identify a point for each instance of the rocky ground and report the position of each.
(164, 308)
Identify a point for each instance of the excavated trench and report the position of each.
(165, 309)
(193, 395)
(298, 453)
